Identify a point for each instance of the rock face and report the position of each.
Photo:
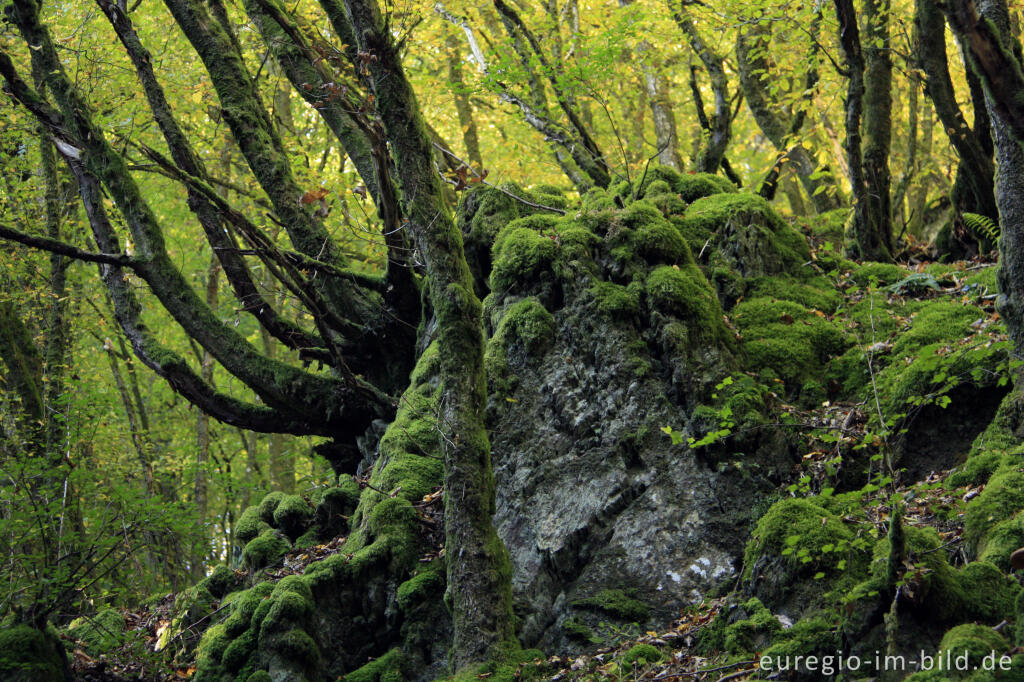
(604, 331)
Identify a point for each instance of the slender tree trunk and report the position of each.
(869, 236)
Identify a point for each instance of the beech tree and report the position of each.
(361, 327)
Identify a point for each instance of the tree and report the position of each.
(359, 326)
(868, 127)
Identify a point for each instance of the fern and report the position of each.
(984, 228)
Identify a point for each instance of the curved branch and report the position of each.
(64, 249)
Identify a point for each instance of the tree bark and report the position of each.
(869, 236)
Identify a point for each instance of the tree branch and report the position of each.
(65, 249)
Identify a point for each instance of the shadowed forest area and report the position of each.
(511, 340)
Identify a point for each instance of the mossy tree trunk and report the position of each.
(994, 55)
(479, 572)
(868, 127)
(976, 170)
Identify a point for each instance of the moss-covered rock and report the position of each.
(525, 328)
(1002, 540)
(98, 633)
(264, 550)
(335, 507)
(641, 655)
(743, 232)
(806, 536)
(962, 654)
(30, 655)
(292, 516)
(793, 342)
(268, 505)
(1002, 499)
(618, 604)
(249, 524)
(522, 255)
(221, 581)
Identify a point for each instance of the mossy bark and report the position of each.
(976, 167)
(479, 573)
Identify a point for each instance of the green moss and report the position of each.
(693, 186)
(335, 507)
(939, 321)
(525, 324)
(249, 524)
(222, 581)
(520, 254)
(30, 655)
(1002, 498)
(239, 651)
(792, 341)
(977, 641)
(575, 629)
(212, 646)
(98, 633)
(829, 226)
(259, 676)
(984, 280)
(777, 241)
(807, 637)
(268, 506)
(878, 273)
(427, 584)
(293, 515)
(800, 530)
(1001, 541)
(989, 593)
(242, 610)
(264, 550)
(616, 300)
(641, 654)
(978, 468)
(383, 669)
(685, 293)
(753, 626)
(618, 604)
(816, 293)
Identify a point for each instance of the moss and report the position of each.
(99, 633)
(685, 293)
(807, 637)
(221, 581)
(520, 254)
(829, 226)
(693, 186)
(989, 593)
(268, 505)
(878, 273)
(938, 321)
(1001, 541)
(641, 654)
(212, 646)
(1002, 498)
(816, 293)
(616, 300)
(294, 644)
(752, 625)
(978, 468)
(239, 651)
(794, 342)
(259, 676)
(483, 211)
(428, 583)
(616, 603)
(293, 515)
(778, 244)
(382, 669)
(335, 507)
(242, 610)
(264, 550)
(977, 641)
(575, 629)
(526, 325)
(30, 655)
(249, 524)
(983, 281)
(810, 536)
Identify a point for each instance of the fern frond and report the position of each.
(983, 227)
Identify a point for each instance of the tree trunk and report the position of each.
(869, 236)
